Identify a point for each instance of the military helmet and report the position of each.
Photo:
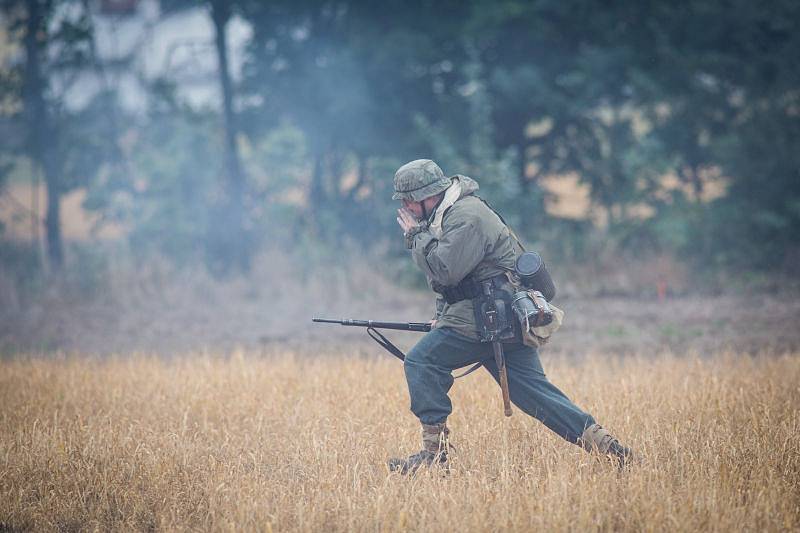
(419, 179)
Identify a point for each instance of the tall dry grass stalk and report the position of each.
(295, 443)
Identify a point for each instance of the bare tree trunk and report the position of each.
(221, 14)
(524, 182)
(35, 221)
(691, 175)
(316, 193)
(39, 126)
(55, 249)
(361, 177)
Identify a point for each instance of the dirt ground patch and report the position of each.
(173, 315)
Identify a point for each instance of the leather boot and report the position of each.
(433, 453)
(596, 438)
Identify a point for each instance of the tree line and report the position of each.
(681, 119)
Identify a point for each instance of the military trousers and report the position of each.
(429, 372)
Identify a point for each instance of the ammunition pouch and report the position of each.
(493, 313)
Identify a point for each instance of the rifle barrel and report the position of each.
(403, 326)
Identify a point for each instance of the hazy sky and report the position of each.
(145, 45)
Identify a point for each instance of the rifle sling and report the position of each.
(470, 370)
(389, 346)
(385, 343)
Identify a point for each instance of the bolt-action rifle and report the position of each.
(372, 330)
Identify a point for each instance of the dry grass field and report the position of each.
(287, 442)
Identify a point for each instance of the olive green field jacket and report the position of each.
(474, 241)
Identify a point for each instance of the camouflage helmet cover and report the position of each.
(419, 179)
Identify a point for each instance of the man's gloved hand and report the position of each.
(410, 234)
(410, 225)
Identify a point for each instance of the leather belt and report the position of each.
(467, 289)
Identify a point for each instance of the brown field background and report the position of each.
(287, 441)
(169, 400)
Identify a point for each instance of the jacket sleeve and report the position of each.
(438, 307)
(450, 259)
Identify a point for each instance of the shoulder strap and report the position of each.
(511, 231)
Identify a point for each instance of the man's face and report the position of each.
(414, 207)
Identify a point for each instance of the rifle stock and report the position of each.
(500, 360)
